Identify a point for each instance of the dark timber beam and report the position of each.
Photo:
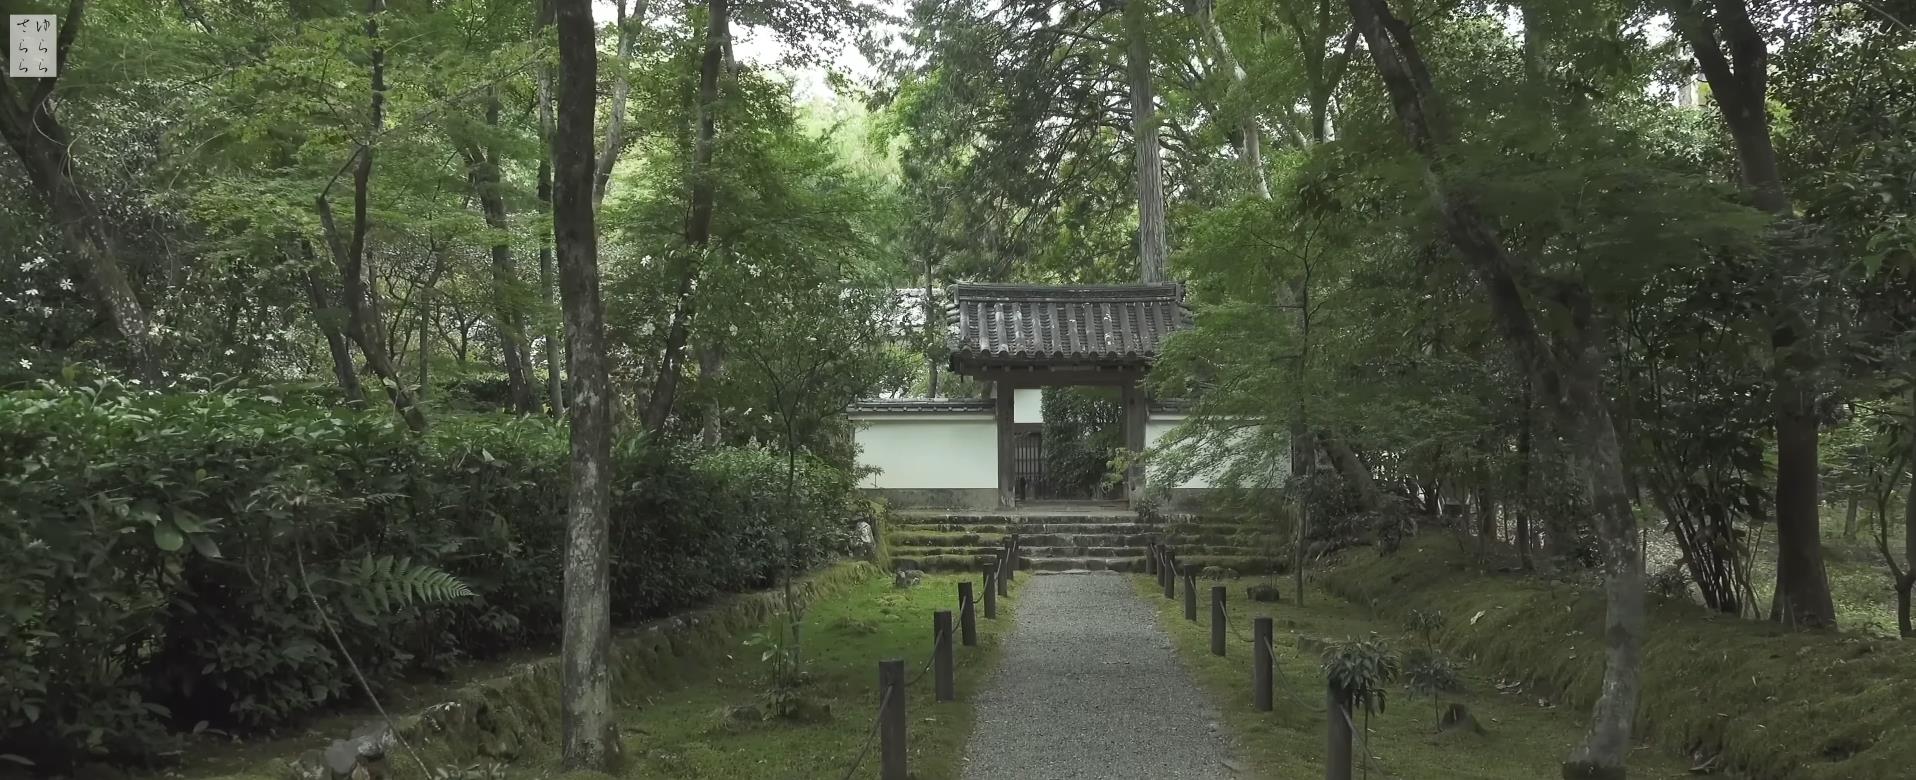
(1007, 457)
(1136, 415)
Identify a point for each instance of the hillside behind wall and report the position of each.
(1775, 703)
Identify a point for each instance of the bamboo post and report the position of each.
(891, 720)
(991, 590)
(1261, 664)
(1217, 620)
(967, 616)
(946, 685)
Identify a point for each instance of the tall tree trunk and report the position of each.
(1153, 247)
(1529, 500)
(1738, 82)
(621, 94)
(931, 312)
(362, 299)
(1849, 518)
(32, 129)
(1251, 144)
(1569, 372)
(1353, 470)
(698, 220)
(555, 367)
(554, 335)
(425, 343)
(589, 735)
(326, 313)
(1907, 582)
(711, 364)
(482, 171)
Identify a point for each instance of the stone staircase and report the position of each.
(1075, 538)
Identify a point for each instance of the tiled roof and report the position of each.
(1081, 325)
(870, 405)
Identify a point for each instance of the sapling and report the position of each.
(1427, 671)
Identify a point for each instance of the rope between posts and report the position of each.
(885, 700)
(871, 735)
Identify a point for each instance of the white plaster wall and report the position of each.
(1027, 405)
(929, 450)
(1155, 428)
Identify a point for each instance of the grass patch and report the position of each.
(684, 732)
(1525, 741)
(1774, 703)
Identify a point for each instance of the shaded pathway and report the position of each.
(1090, 687)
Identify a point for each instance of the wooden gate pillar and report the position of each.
(1136, 416)
(1007, 451)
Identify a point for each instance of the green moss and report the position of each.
(1775, 703)
(677, 734)
(511, 714)
(1523, 741)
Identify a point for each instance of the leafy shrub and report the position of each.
(161, 554)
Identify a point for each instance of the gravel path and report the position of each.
(1090, 687)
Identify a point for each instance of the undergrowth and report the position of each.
(1768, 702)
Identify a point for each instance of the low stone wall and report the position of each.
(497, 719)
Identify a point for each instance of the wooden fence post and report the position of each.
(1170, 576)
(1151, 558)
(1015, 552)
(891, 720)
(967, 616)
(991, 590)
(1190, 593)
(941, 656)
(1004, 570)
(1217, 620)
(1337, 754)
(1261, 664)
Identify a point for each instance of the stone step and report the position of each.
(917, 539)
(1083, 552)
(1087, 563)
(1084, 540)
(966, 563)
(1084, 528)
(927, 552)
(960, 528)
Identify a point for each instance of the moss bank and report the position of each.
(1774, 703)
(507, 722)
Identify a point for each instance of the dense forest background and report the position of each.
(1567, 274)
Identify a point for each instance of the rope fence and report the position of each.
(1162, 562)
(888, 724)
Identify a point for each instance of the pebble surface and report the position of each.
(1089, 687)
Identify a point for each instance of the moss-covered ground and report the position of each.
(673, 688)
(1764, 700)
(681, 732)
(1524, 737)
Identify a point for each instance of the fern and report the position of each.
(383, 584)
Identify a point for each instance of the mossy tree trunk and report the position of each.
(1734, 57)
(589, 736)
(1567, 369)
(1152, 243)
